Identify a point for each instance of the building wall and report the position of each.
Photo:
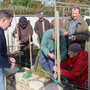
(12, 41)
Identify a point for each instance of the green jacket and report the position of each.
(47, 44)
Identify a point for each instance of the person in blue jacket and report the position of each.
(46, 58)
(5, 61)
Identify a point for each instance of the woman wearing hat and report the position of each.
(24, 29)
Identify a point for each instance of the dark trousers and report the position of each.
(25, 58)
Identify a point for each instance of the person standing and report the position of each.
(75, 29)
(24, 29)
(41, 26)
(5, 62)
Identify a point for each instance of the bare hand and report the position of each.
(65, 33)
(18, 43)
(55, 75)
(12, 60)
(52, 56)
(73, 38)
(16, 35)
(12, 66)
(55, 68)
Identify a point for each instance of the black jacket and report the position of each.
(4, 63)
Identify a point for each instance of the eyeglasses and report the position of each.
(70, 52)
(22, 24)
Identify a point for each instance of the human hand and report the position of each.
(16, 35)
(18, 43)
(52, 56)
(12, 60)
(73, 38)
(55, 75)
(54, 68)
(12, 66)
(65, 33)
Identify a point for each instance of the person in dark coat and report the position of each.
(41, 26)
(5, 62)
(24, 29)
(75, 68)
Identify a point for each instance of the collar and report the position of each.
(1, 30)
(79, 20)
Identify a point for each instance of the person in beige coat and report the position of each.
(75, 29)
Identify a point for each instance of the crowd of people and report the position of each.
(73, 35)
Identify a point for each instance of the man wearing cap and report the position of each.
(47, 55)
(24, 29)
(75, 68)
(41, 26)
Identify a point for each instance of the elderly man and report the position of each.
(22, 30)
(75, 29)
(47, 56)
(5, 62)
(75, 68)
(41, 26)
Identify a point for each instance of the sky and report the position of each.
(48, 2)
(1, 0)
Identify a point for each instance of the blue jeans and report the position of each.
(1, 79)
(46, 63)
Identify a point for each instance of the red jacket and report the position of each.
(80, 61)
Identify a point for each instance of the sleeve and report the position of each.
(49, 25)
(44, 44)
(83, 35)
(36, 28)
(3, 62)
(15, 31)
(73, 74)
(64, 25)
(60, 23)
(63, 49)
(64, 64)
(29, 32)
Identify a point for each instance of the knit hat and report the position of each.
(23, 20)
(76, 48)
(41, 15)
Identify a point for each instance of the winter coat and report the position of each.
(23, 34)
(4, 63)
(78, 73)
(81, 31)
(39, 28)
